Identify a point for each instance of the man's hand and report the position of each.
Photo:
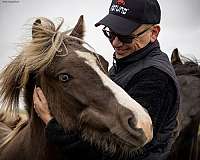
(41, 105)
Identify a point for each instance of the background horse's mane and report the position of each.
(46, 43)
(191, 65)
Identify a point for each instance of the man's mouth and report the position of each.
(120, 50)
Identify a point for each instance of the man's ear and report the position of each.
(155, 30)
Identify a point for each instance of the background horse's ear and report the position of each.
(79, 29)
(175, 58)
(35, 25)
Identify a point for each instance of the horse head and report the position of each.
(80, 95)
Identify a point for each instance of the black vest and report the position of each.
(150, 56)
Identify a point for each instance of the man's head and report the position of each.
(133, 23)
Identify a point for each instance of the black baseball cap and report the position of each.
(125, 16)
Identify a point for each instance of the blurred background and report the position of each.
(180, 24)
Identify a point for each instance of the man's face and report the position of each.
(124, 49)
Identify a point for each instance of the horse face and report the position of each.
(86, 100)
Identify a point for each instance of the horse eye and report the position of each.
(64, 77)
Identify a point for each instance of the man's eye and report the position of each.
(64, 77)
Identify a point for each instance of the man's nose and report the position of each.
(116, 42)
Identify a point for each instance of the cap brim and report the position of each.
(118, 24)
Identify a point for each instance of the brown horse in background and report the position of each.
(188, 74)
(80, 95)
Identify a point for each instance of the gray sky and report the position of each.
(180, 23)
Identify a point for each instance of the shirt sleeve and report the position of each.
(70, 144)
(55, 134)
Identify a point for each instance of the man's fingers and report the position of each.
(36, 98)
(40, 95)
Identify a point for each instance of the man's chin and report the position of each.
(121, 54)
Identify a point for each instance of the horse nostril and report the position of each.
(131, 122)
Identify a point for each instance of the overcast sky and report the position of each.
(180, 23)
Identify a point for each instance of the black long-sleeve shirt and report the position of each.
(154, 90)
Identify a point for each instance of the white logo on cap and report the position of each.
(118, 9)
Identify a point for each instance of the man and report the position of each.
(141, 69)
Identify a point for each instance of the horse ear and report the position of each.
(175, 58)
(35, 25)
(79, 29)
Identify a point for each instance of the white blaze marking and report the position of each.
(144, 120)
